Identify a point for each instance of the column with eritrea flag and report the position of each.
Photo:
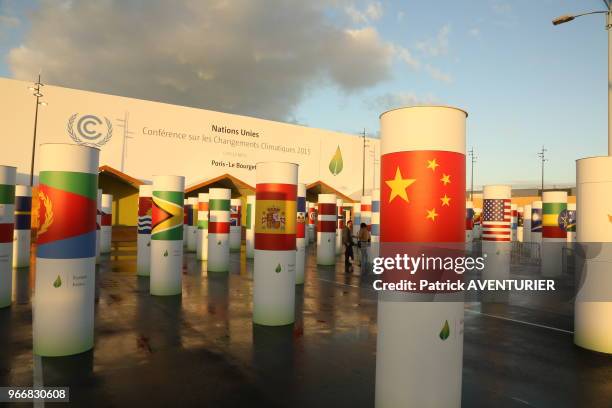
(202, 235)
(8, 176)
(63, 308)
(420, 335)
(554, 205)
(250, 227)
(275, 244)
(23, 223)
(167, 235)
(218, 229)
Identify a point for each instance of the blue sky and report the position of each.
(524, 82)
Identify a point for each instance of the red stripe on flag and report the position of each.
(495, 239)
(275, 242)
(365, 207)
(107, 219)
(218, 227)
(6, 233)
(553, 232)
(276, 191)
(327, 209)
(203, 206)
(326, 226)
(300, 230)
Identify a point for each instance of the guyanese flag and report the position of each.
(167, 216)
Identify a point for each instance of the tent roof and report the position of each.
(319, 187)
(118, 175)
(239, 188)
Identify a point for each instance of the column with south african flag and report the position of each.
(167, 235)
(63, 308)
(8, 176)
(420, 334)
(275, 244)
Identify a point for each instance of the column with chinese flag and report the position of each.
(23, 223)
(554, 236)
(63, 308)
(250, 227)
(202, 228)
(593, 305)
(235, 224)
(326, 230)
(420, 335)
(145, 203)
(300, 235)
(8, 176)
(218, 229)
(275, 244)
(340, 222)
(106, 228)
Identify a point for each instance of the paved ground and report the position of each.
(202, 349)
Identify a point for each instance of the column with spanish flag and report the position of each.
(275, 244)
(218, 229)
(250, 227)
(202, 228)
(420, 334)
(312, 218)
(143, 257)
(340, 222)
(593, 304)
(300, 235)
(192, 227)
(167, 235)
(106, 228)
(23, 223)
(235, 224)
(326, 230)
(63, 308)
(98, 224)
(375, 248)
(8, 176)
(554, 236)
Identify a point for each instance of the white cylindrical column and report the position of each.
(477, 232)
(250, 227)
(218, 229)
(340, 223)
(186, 215)
(167, 235)
(23, 225)
(554, 237)
(300, 235)
(326, 230)
(570, 223)
(536, 223)
(593, 305)
(469, 224)
(98, 225)
(63, 307)
(375, 223)
(527, 223)
(145, 203)
(235, 224)
(496, 233)
(8, 176)
(275, 251)
(106, 230)
(192, 229)
(420, 367)
(202, 228)
(312, 219)
(356, 218)
(519, 224)
(513, 223)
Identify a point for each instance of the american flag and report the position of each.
(496, 220)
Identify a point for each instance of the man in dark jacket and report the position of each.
(347, 241)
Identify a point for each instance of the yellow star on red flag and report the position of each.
(432, 164)
(432, 214)
(398, 186)
(445, 200)
(445, 179)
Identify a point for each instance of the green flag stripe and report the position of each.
(174, 234)
(85, 184)
(553, 208)
(7, 194)
(219, 205)
(202, 224)
(175, 197)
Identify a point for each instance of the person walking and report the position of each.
(363, 242)
(347, 241)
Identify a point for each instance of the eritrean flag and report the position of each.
(67, 215)
(275, 222)
(552, 220)
(167, 216)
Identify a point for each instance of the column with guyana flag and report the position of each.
(326, 230)
(23, 223)
(250, 227)
(218, 229)
(167, 235)
(300, 234)
(275, 244)
(145, 203)
(554, 237)
(8, 176)
(202, 231)
(63, 308)
(420, 334)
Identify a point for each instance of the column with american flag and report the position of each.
(554, 236)
(300, 234)
(218, 229)
(420, 335)
(275, 244)
(326, 229)
(143, 256)
(496, 234)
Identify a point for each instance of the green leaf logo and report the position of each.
(58, 282)
(445, 332)
(336, 164)
(166, 253)
(278, 268)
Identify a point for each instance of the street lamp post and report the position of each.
(569, 17)
(542, 156)
(473, 158)
(37, 93)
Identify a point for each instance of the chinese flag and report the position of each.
(422, 197)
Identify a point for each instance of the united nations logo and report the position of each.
(89, 130)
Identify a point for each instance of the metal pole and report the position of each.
(37, 94)
(472, 175)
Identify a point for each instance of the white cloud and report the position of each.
(437, 74)
(239, 56)
(405, 55)
(436, 46)
(372, 12)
